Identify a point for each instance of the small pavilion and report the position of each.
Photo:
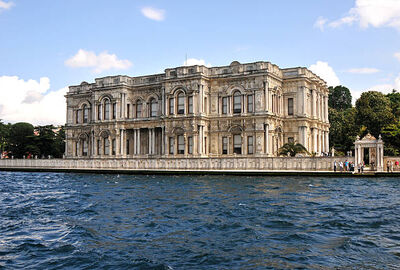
(375, 151)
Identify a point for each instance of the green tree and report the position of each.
(339, 98)
(343, 130)
(292, 149)
(391, 137)
(21, 140)
(394, 98)
(374, 112)
(4, 134)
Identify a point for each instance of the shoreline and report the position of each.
(203, 172)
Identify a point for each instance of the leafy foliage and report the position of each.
(374, 112)
(343, 130)
(339, 98)
(292, 149)
(22, 139)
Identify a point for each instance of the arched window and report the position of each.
(181, 103)
(153, 107)
(106, 109)
(237, 102)
(85, 109)
(138, 109)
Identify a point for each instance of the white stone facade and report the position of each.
(240, 110)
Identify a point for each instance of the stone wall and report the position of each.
(191, 164)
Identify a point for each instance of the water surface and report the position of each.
(88, 221)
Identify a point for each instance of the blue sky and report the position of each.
(47, 45)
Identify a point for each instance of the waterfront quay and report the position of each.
(306, 166)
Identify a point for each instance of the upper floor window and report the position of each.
(85, 114)
(190, 104)
(153, 107)
(78, 116)
(224, 105)
(128, 110)
(99, 110)
(114, 110)
(290, 106)
(171, 106)
(250, 103)
(181, 103)
(138, 109)
(237, 102)
(106, 109)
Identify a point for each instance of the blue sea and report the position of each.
(95, 221)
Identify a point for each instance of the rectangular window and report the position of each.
(85, 115)
(237, 144)
(224, 145)
(106, 111)
(138, 109)
(171, 106)
(181, 145)
(127, 147)
(224, 105)
(190, 145)
(181, 104)
(171, 145)
(113, 146)
(128, 111)
(190, 104)
(250, 103)
(98, 147)
(250, 144)
(76, 148)
(205, 109)
(290, 106)
(78, 116)
(85, 148)
(114, 110)
(99, 112)
(237, 103)
(106, 146)
(154, 108)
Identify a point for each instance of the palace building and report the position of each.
(196, 111)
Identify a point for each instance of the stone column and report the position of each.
(163, 141)
(150, 146)
(138, 144)
(315, 140)
(266, 139)
(326, 141)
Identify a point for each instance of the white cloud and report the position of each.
(397, 55)
(5, 5)
(363, 70)
(100, 63)
(194, 61)
(30, 101)
(320, 23)
(377, 13)
(153, 13)
(326, 72)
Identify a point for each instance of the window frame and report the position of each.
(224, 105)
(250, 145)
(181, 144)
(236, 149)
(237, 102)
(224, 145)
(180, 100)
(138, 109)
(250, 103)
(290, 106)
